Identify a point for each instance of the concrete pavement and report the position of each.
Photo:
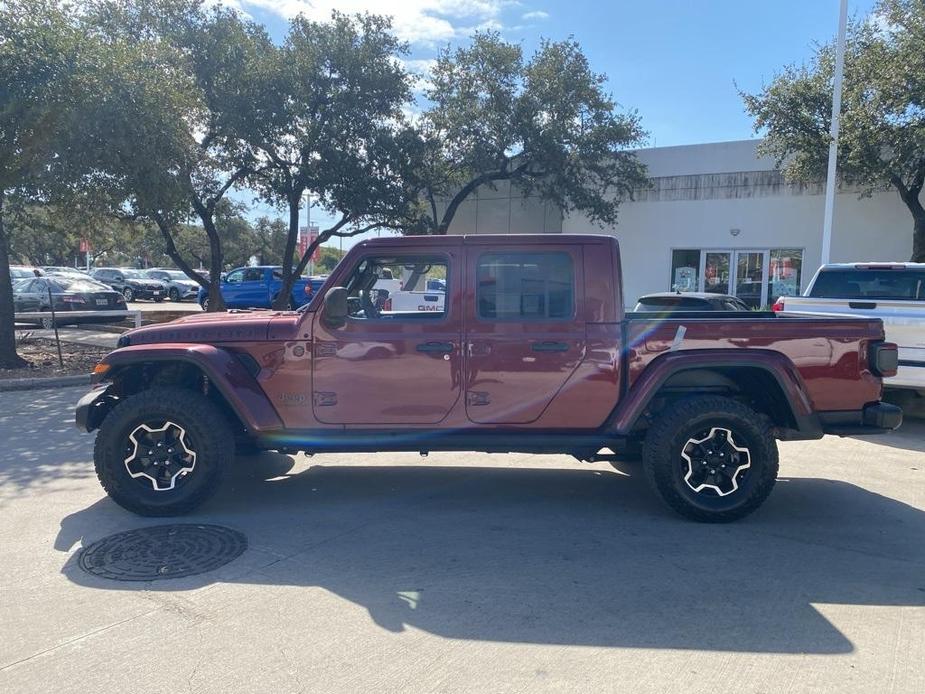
(470, 573)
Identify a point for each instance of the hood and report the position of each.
(209, 328)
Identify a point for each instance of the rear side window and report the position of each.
(860, 283)
(526, 286)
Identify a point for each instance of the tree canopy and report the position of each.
(882, 130)
(545, 124)
(141, 125)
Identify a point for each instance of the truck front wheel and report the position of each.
(161, 452)
(711, 458)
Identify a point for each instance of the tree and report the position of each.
(882, 132)
(170, 148)
(546, 125)
(42, 60)
(331, 125)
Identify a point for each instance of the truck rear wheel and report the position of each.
(711, 458)
(161, 452)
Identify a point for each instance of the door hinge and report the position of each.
(475, 398)
(324, 399)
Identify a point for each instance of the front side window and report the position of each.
(526, 286)
(397, 287)
(235, 277)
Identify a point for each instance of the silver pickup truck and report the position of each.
(893, 292)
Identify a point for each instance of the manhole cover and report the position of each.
(162, 551)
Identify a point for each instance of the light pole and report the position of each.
(831, 174)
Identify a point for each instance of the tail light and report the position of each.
(308, 289)
(778, 305)
(883, 358)
(387, 305)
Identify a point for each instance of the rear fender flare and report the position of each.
(656, 374)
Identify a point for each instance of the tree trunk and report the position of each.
(216, 302)
(281, 301)
(170, 249)
(918, 240)
(909, 194)
(9, 359)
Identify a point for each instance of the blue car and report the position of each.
(257, 287)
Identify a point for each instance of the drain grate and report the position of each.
(162, 551)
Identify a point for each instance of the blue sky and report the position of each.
(676, 63)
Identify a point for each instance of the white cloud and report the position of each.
(535, 14)
(417, 21)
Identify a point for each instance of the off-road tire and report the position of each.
(210, 430)
(665, 468)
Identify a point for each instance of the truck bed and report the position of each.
(829, 352)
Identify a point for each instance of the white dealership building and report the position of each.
(717, 217)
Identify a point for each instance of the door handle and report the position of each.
(435, 347)
(549, 347)
(862, 304)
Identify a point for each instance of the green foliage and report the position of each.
(882, 130)
(330, 124)
(545, 124)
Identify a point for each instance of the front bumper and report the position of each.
(874, 418)
(92, 408)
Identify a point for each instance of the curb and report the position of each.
(39, 383)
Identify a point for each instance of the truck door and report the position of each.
(524, 330)
(385, 366)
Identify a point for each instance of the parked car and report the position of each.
(257, 287)
(179, 286)
(531, 353)
(68, 294)
(689, 301)
(63, 270)
(21, 272)
(132, 284)
(892, 292)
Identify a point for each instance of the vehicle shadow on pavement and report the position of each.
(552, 556)
(910, 436)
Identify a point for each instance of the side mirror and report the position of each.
(335, 306)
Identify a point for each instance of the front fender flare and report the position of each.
(225, 371)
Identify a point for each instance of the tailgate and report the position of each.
(903, 321)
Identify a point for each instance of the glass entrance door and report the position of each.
(716, 273)
(751, 277)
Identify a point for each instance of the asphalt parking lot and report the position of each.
(469, 573)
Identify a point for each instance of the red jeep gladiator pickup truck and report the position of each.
(530, 351)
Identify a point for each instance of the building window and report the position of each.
(786, 272)
(685, 270)
(756, 276)
(525, 286)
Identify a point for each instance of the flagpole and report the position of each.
(831, 174)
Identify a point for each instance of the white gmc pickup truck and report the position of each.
(893, 292)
